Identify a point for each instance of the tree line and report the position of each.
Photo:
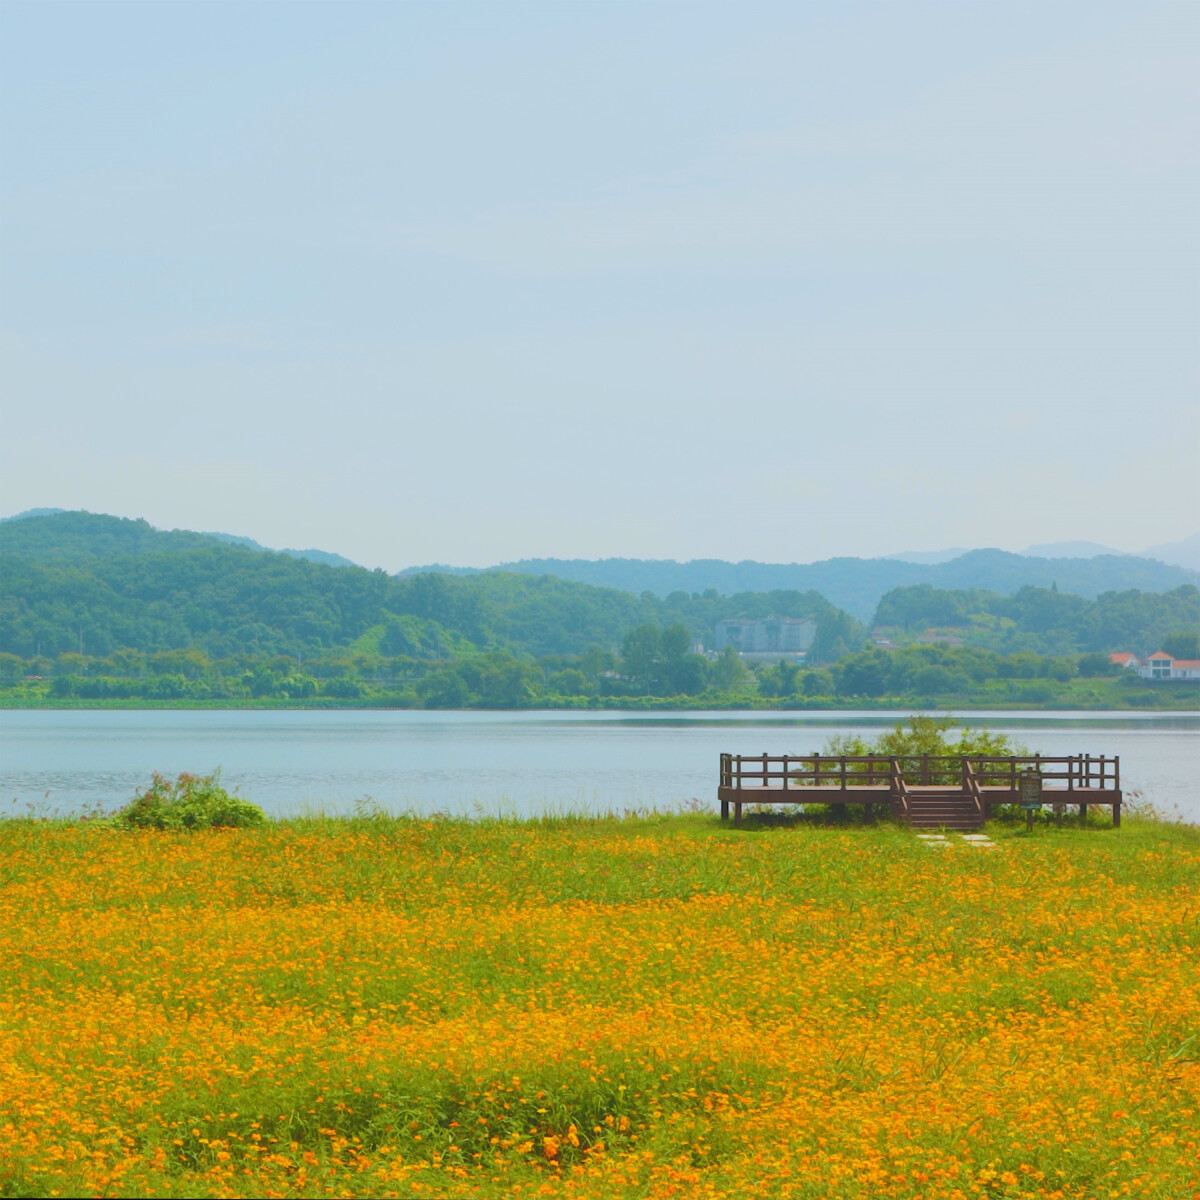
(1043, 620)
(102, 609)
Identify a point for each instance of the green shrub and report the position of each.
(189, 802)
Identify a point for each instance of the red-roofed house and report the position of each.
(1122, 658)
(1160, 665)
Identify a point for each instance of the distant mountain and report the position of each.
(1068, 550)
(97, 584)
(853, 584)
(93, 584)
(856, 584)
(1185, 553)
(326, 557)
(442, 569)
(32, 512)
(928, 557)
(80, 535)
(77, 536)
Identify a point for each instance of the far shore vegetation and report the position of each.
(101, 612)
(654, 669)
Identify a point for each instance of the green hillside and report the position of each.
(858, 584)
(1043, 620)
(78, 582)
(101, 610)
(81, 536)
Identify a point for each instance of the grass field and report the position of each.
(649, 1007)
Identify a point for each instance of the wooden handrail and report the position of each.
(843, 772)
(971, 786)
(900, 790)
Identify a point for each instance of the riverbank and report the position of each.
(1108, 698)
(598, 1008)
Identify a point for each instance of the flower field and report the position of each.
(655, 1007)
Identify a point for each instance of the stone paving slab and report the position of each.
(980, 841)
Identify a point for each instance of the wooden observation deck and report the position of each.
(928, 791)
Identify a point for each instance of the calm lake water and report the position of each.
(514, 763)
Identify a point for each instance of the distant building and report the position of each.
(768, 639)
(1159, 665)
(941, 639)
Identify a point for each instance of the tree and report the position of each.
(838, 633)
(729, 672)
(865, 674)
(938, 681)
(595, 662)
(445, 688)
(507, 682)
(1094, 664)
(1182, 644)
(568, 683)
(640, 656)
(683, 672)
(818, 683)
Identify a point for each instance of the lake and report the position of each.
(504, 762)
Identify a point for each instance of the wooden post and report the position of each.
(737, 812)
(839, 809)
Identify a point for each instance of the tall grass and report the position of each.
(577, 1006)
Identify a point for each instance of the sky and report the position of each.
(467, 283)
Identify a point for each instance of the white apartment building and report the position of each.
(768, 638)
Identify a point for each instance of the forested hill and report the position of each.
(857, 584)
(79, 536)
(101, 610)
(1042, 620)
(84, 535)
(84, 583)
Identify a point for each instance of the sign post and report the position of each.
(1029, 785)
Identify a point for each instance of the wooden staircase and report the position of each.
(943, 809)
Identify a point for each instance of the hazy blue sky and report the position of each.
(466, 283)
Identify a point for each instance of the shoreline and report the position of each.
(1184, 705)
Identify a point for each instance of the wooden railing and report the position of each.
(900, 791)
(828, 771)
(970, 786)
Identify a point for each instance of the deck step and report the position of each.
(943, 810)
